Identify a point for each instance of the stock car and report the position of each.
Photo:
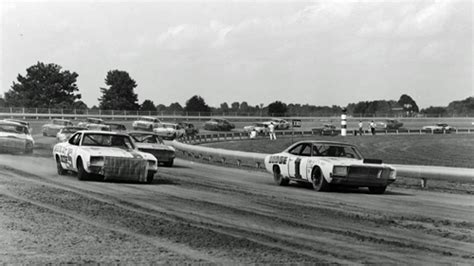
(390, 124)
(260, 128)
(279, 123)
(218, 124)
(439, 128)
(23, 122)
(94, 124)
(53, 128)
(152, 143)
(15, 137)
(117, 127)
(326, 130)
(326, 163)
(146, 123)
(110, 155)
(169, 131)
(66, 132)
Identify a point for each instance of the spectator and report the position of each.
(372, 127)
(271, 129)
(361, 128)
(253, 133)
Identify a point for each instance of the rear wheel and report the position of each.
(278, 177)
(28, 148)
(81, 172)
(59, 167)
(377, 190)
(318, 180)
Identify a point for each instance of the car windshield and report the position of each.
(105, 140)
(149, 119)
(61, 122)
(95, 121)
(147, 138)
(13, 129)
(331, 150)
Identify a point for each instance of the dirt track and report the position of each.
(204, 213)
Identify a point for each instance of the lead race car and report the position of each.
(325, 164)
(108, 154)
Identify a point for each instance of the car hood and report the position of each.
(154, 146)
(116, 152)
(347, 162)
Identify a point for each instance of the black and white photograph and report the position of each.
(237, 132)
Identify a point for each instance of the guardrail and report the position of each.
(256, 160)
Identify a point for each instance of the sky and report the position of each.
(311, 52)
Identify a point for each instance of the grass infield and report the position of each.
(456, 150)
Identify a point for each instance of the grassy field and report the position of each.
(444, 150)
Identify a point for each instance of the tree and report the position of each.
(244, 107)
(147, 105)
(463, 107)
(2, 102)
(224, 107)
(196, 104)
(235, 106)
(435, 111)
(44, 86)
(408, 104)
(277, 108)
(120, 95)
(161, 107)
(175, 107)
(79, 105)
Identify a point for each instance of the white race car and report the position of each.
(15, 137)
(52, 129)
(169, 131)
(94, 124)
(146, 123)
(325, 163)
(279, 123)
(261, 128)
(108, 154)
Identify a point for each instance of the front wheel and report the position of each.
(59, 167)
(149, 177)
(377, 190)
(81, 172)
(278, 177)
(318, 180)
(28, 148)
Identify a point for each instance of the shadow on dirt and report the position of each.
(340, 189)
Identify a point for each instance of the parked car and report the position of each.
(439, 128)
(53, 128)
(189, 129)
(65, 132)
(94, 124)
(169, 131)
(390, 124)
(218, 124)
(260, 128)
(146, 123)
(326, 130)
(111, 155)
(117, 127)
(280, 124)
(152, 143)
(15, 137)
(326, 163)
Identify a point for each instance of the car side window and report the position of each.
(74, 140)
(296, 150)
(306, 150)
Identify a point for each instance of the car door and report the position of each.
(71, 151)
(297, 162)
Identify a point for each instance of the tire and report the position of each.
(28, 148)
(81, 172)
(149, 177)
(169, 163)
(377, 190)
(318, 180)
(150, 128)
(59, 168)
(44, 134)
(278, 177)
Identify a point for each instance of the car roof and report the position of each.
(102, 132)
(148, 117)
(60, 119)
(142, 132)
(66, 127)
(11, 123)
(323, 142)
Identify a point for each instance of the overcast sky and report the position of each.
(322, 52)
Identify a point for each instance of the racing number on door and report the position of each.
(297, 167)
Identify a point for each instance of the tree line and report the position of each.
(49, 86)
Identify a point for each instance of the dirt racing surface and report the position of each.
(197, 213)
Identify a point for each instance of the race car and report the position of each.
(260, 128)
(94, 124)
(218, 124)
(110, 155)
(326, 163)
(146, 123)
(326, 130)
(390, 124)
(117, 127)
(15, 137)
(280, 124)
(169, 131)
(65, 132)
(23, 122)
(152, 143)
(439, 128)
(53, 128)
